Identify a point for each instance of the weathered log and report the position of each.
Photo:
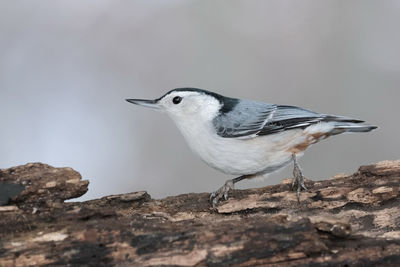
(347, 220)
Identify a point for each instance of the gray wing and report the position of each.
(251, 118)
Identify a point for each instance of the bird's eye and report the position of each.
(176, 100)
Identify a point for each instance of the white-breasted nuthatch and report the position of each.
(244, 137)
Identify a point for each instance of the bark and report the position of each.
(347, 220)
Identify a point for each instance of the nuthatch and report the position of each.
(247, 138)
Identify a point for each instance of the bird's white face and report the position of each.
(184, 105)
(181, 105)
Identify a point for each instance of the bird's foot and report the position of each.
(221, 193)
(298, 179)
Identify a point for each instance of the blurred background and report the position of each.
(66, 68)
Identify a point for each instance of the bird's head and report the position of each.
(187, 103)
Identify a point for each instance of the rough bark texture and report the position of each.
(346, 220)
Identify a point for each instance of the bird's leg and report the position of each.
(298, 178)
(223, 191)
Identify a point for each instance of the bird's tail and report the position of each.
(345, 124)
(355, 128)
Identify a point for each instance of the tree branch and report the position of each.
(349, 219)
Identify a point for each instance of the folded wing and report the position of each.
(250, 118)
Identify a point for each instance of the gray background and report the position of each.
(67, 66)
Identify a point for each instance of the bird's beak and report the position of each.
(145, 103)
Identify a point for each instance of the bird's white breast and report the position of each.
(257, 155)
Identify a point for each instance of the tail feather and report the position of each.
(356, 128)
(346, 124)
(352, 128)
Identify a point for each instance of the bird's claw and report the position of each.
(222, 192)
(299, 180)
(300, 185)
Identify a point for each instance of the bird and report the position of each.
(247, 138)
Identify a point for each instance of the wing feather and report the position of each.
(251, 118)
